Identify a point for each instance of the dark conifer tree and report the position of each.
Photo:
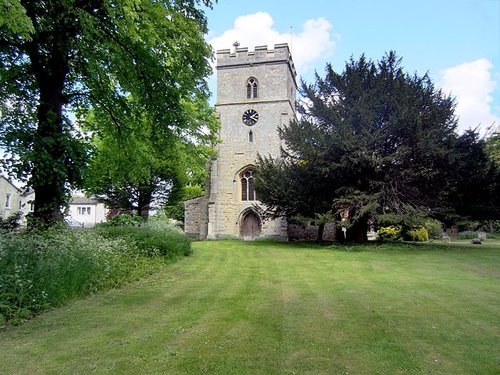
(378, 145)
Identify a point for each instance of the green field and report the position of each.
(268, 308)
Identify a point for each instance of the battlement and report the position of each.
(260, 55)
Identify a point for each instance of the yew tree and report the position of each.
(60, 58)
(375, 145)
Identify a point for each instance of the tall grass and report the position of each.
(153, 238)
(43, 270)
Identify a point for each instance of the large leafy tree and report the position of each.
(374, 144)
(134, 167)
(62, 57)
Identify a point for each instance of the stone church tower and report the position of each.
(256, 93)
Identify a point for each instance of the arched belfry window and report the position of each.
(247, 185)
(252, 88)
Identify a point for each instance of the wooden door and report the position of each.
(250, 226)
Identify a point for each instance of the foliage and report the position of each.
(124, 220)
(390, 233)
(176, 210)
(434, 228)
(13, 19)
(375, 144)
(39, 270)
(11, 223)
(416, 234)
(63, 57)
(474, 183)
(152, 238)
(467, 235)
(136, 168)
(493, 147)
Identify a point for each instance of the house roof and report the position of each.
(83, 200)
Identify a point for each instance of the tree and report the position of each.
(373, 144)
(66, 56)
(134, 167)
(476, 192)
(493, 147)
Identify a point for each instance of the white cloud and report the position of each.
(472, 84)
(312, 43)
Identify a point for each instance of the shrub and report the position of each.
(152, 238)
(434, 228)
(11, 223)
(390, 233)
(417, 234)
(467, 235)
(124, 220)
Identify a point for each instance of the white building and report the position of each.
(10, 198)
(86, 211)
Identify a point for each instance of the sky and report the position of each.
(457, 42)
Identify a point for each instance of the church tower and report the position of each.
(256, 93)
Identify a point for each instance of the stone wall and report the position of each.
(195, 217)
(310, 232)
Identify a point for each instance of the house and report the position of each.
(10, 198)
(86, 211)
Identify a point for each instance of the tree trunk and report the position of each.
(358, 232)
(49, 54)
(49, 175)
(321, 230)
(144, 201)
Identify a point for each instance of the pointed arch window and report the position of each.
(252, 88)
(247, 185)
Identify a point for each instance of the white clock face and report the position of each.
(250, 117)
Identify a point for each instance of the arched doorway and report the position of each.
(250, 226)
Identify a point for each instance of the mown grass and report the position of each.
(269, 308)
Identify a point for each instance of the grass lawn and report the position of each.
(269, 308)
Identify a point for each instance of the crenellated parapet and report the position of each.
(260, 55)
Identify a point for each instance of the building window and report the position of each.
(83, 210)
(247, 185)
(250, 136)
(7, 200)
(252, 88)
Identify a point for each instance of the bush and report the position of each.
(417, 234)
(124, 220)
(390, 233)
(467, 235)
(434, 228)
(152, 238)
(10, 224)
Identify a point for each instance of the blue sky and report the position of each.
(456, 41)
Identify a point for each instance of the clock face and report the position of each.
(250, 117)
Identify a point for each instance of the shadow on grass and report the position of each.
(372, 246)
(375, 246)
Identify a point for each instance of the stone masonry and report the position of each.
(227, 211)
